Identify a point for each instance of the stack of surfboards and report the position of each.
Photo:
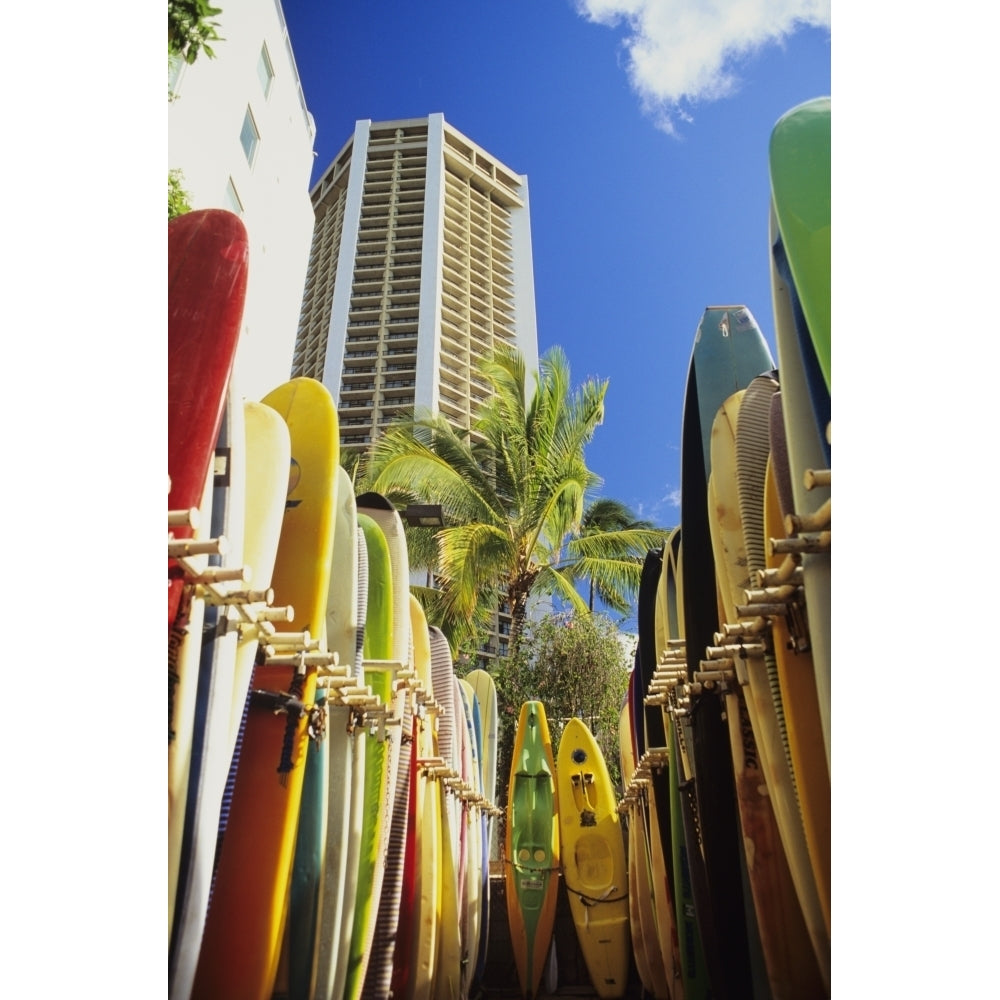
(732, 670)
(331, 780)
(562, 819)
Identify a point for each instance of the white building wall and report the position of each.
(524, 289)
(428, 376)
(204, 124)
(337, 337)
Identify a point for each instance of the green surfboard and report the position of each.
(800, 190)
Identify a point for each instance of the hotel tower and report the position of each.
(420, 264)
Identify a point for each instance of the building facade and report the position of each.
(242, 136)
(420, 265)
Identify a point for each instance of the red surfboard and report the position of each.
(207, 257)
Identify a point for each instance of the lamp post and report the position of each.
(423, 515)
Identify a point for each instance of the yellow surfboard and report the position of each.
(243, 933)
(593, 858)
(802, 716)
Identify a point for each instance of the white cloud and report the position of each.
(679, 52)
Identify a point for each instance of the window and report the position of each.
(265, 71)
(249, 137)
(233, 202)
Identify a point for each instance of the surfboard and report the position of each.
(471, 795)
(789, 662)
(592, 849)
(692, 959)
(377, 811)
(347, 750)
(378, 977)
(447, 973)
(799, 166)
(532, 846)
(657, 760)
(789, 919)
(418, 941)
(808, 451)
(483, 809)
(183, 659)
(729, 351)
(486, 697)
(627, 809)
(210, 749)
(805, 732)
(353, 866)
(308, 865)
(243, 932)
(207, 254)
(404, 957)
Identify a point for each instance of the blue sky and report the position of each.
(646, 157)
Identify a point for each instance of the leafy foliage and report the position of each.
(574, 663)
(189, 29)
(177, 197)
(513, 490)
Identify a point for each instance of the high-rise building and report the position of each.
(240, 132)
(420, 264)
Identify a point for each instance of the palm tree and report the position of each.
(513, 490)
(605, 515)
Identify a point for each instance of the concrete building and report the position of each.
(420, 264)
(240, 132)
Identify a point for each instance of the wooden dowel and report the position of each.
(813, 478)
(797, 524)
(804, 543)
(770, 595)
(182, 548)
(285, 614)
(790, 571)
(753, 610)
(246, 597)
(190, 518)
(221, 574)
